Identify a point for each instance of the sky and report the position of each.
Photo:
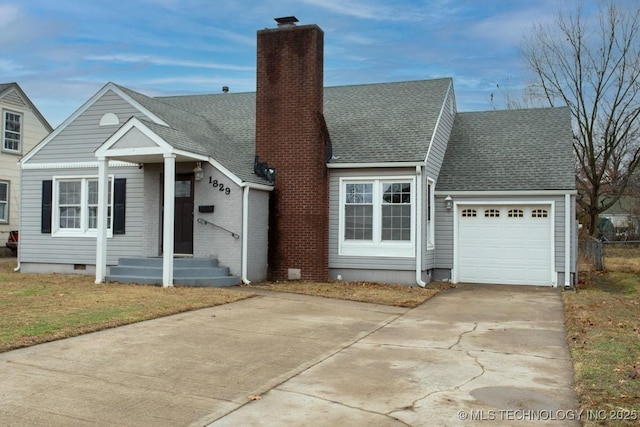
(62, 52)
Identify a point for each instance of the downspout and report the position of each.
(245, 235)
(419, 206)
(567, 241)
(17, 268)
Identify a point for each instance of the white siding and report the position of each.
(77, 143)
(36, 247)
(435, 158)
(79, 140)
(258, 235)
(33, 131)
(337, 261)
(210, 241)
(444, 227)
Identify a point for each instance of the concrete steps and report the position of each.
(186, 271)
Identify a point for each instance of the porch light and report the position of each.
(198, 172)
(448, 203)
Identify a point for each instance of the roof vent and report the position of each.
(225, 89)
(287, 21)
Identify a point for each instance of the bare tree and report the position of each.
(508, 97)
(592, 65)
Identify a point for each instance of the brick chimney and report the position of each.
(289, 105)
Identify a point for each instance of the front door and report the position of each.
(183, 220)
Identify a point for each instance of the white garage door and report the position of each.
(504, 244)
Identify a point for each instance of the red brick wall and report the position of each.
(288, 138)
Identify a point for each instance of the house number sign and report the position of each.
(220, 186)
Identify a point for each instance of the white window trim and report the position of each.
(431, 204)
(83, 231)
(377, 247)
(4, 125)
(6, 202)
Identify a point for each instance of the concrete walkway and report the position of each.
(470, 356)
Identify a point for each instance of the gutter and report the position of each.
(245, 235)
(419, 280)
(567, 241)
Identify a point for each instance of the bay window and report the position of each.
(377, 217)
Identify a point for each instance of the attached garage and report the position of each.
(505, 244)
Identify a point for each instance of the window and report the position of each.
(539, 213)
(377, 217)
(492, 213)
(516, 213)
(396, 211)
(12, 131)
(4, 202)
(76, 206)
(469, 213)
(358, 213)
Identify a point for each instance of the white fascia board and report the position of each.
(109, 86)
(29, 105)
(374, 165)
(435, 128)
(505, 193)
(77, 165)
(137, 105)
(254, 186)
(235, 179)
(226, 172)
(140, 151)
(105, 149)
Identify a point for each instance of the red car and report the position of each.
(12, 243)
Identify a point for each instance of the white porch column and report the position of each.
(169, 213)
(103, 203)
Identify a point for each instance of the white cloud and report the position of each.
(9, 67)
(508, 28)
(9, 13)
(156, 60)
(369, 10)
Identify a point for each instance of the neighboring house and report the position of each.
(623, 222)
(378, 182)
(22, 127)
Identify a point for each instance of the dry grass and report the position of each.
(36, 308)
(603, 327)
(395, 295)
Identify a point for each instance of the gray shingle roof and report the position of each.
(388, 122)
(509, 150)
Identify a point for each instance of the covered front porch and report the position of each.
(136, 143)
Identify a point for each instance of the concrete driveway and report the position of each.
(470, 356)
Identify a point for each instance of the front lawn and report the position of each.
(603, 328)
(36, 308)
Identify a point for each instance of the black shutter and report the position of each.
(47, 194)
(119, 201)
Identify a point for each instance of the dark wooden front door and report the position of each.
(183, 220)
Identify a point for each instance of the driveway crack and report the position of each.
(388, 415)
(475, 326)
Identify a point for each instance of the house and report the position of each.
(620, 221)
(377, 182)
(22, 128)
